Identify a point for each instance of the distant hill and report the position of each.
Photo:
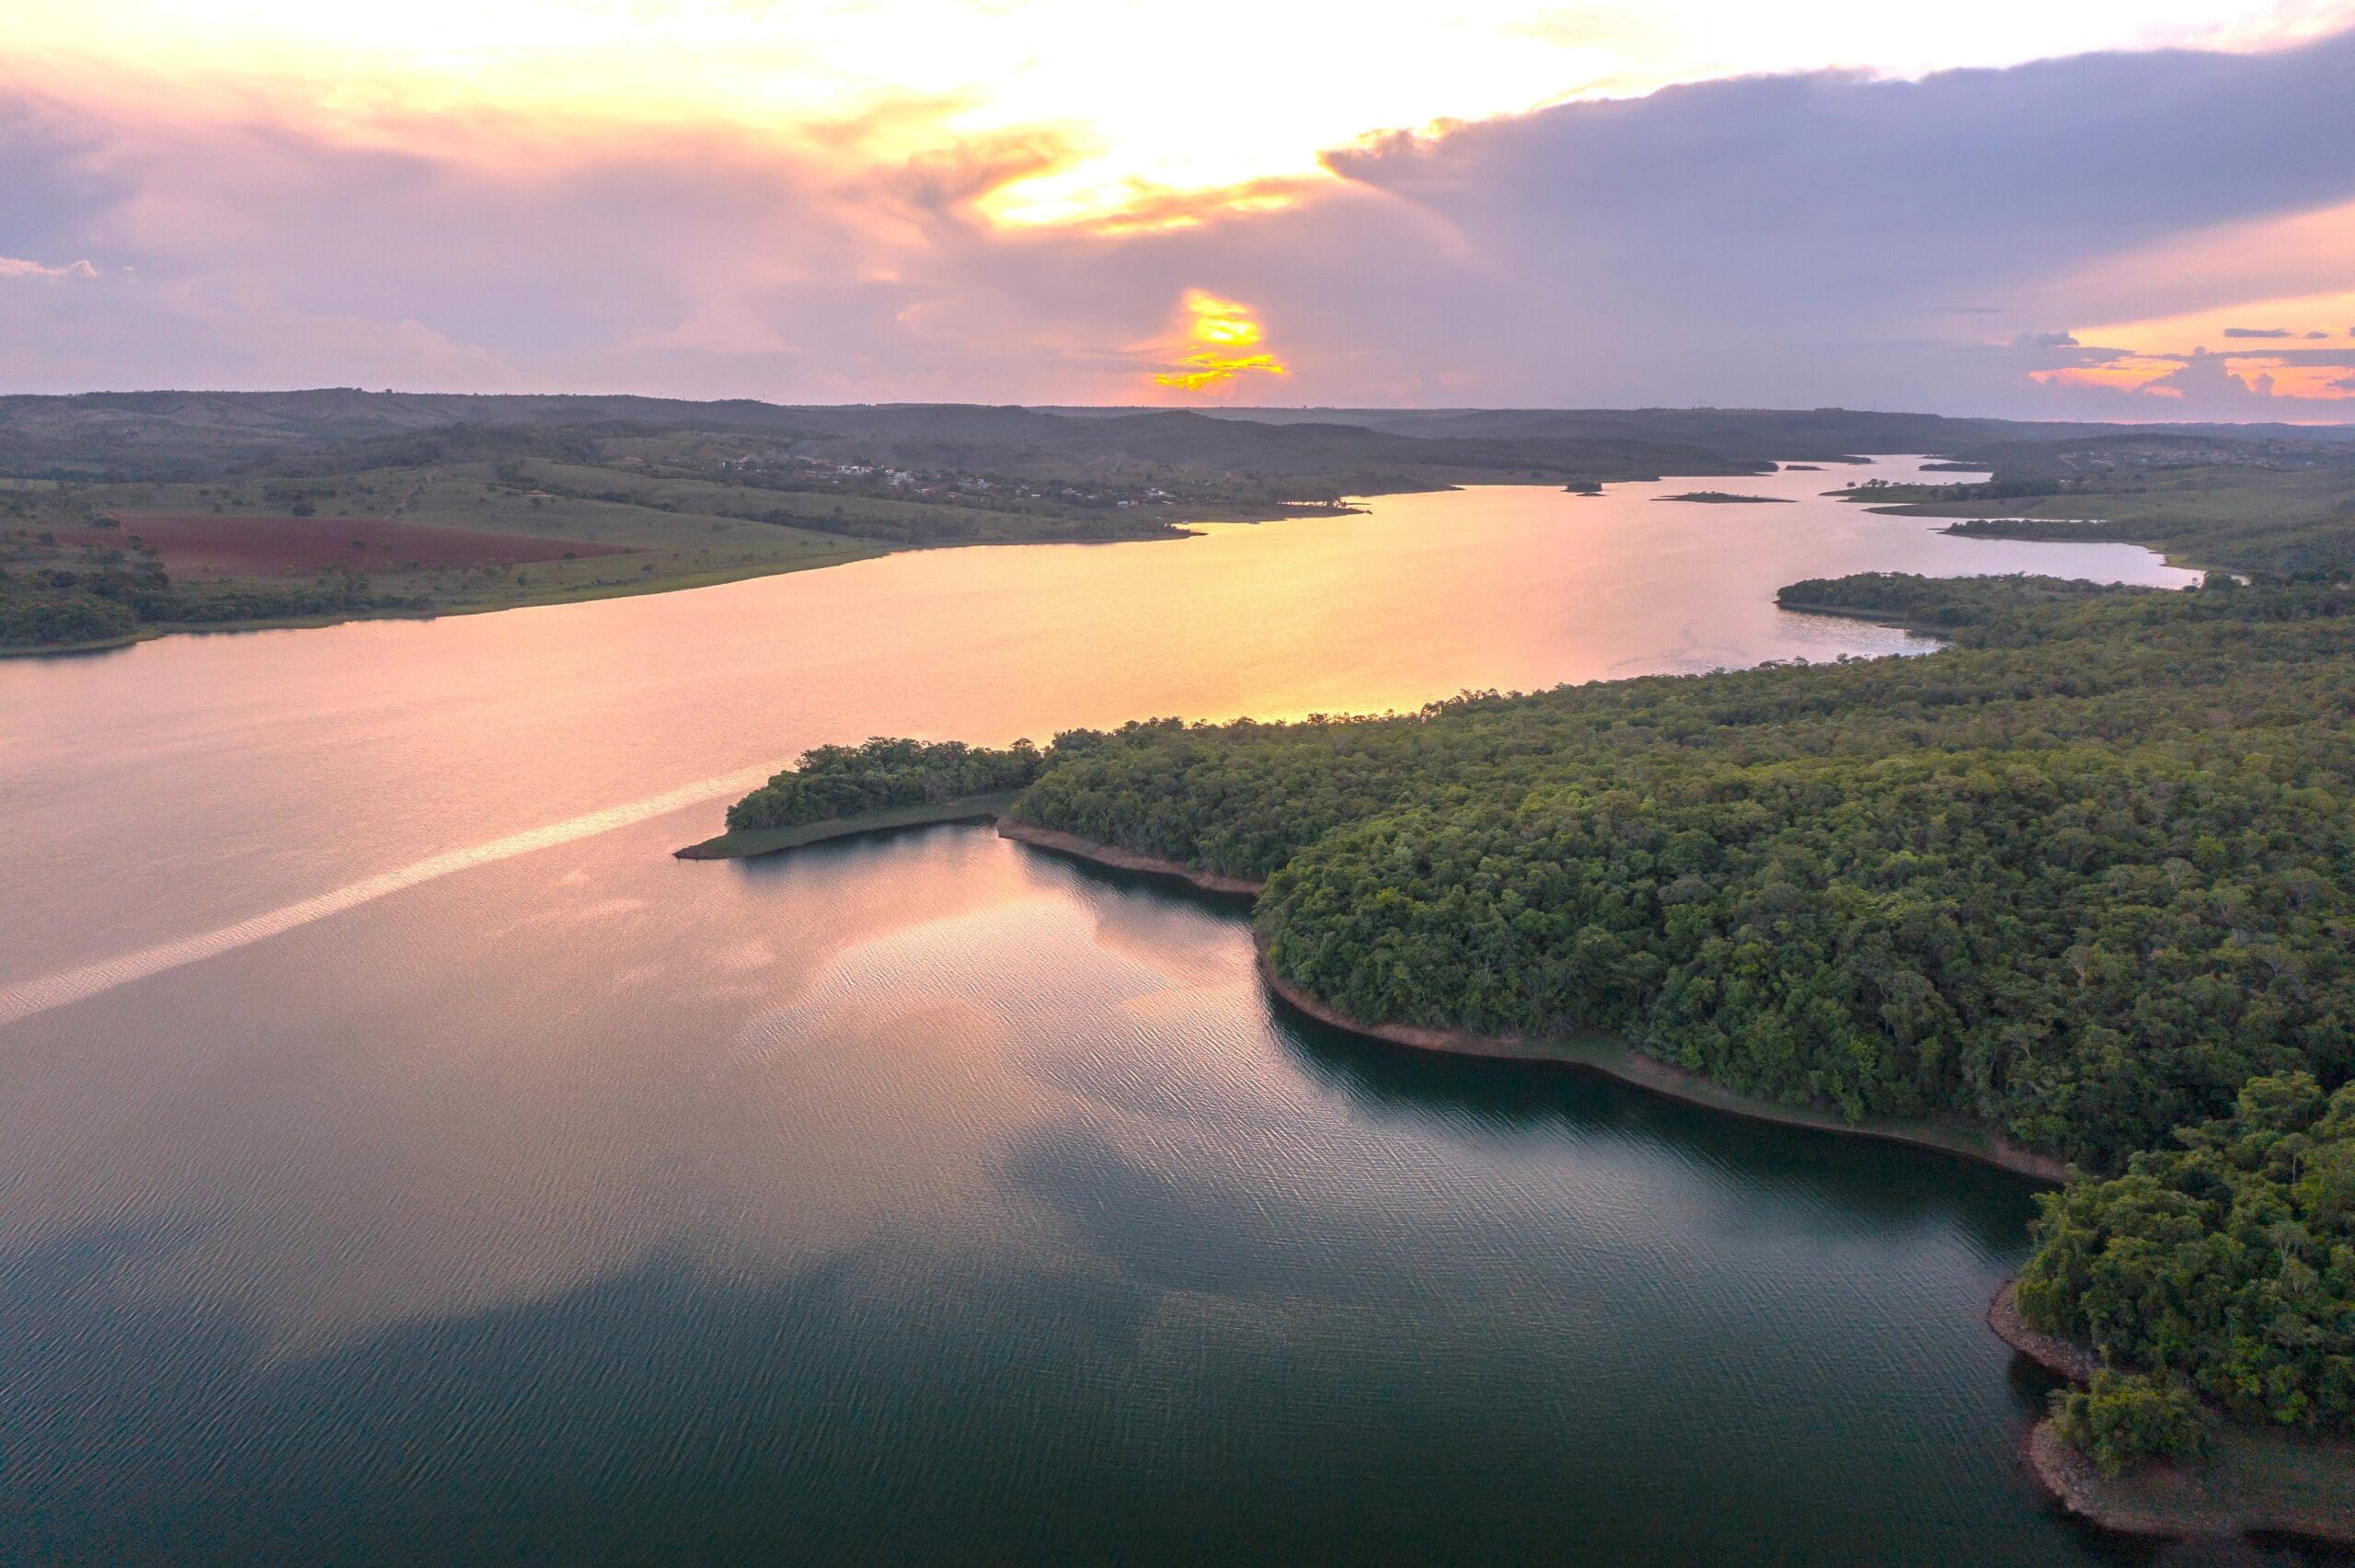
(185, 435)
(1781, 434)
(178, 435)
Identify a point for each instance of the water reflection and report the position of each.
(916, 1196)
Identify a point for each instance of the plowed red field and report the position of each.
(222, 546)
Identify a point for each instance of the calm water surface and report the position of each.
(402, 1158)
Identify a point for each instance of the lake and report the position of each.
(403, 1159)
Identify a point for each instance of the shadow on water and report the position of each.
(1876, 1180)
(848, 854)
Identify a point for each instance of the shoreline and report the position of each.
(1872, 618)
(1609, 1057)
(1604, 1054)
(1060, 842)
(2259, 1482)
(750, 844)
(2063, 1358)
(2301, 1482)
(1959, 513)
(1598, 1053)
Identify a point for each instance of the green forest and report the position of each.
(2223, 1266)
(2081, 878)
(2075, 880)
(852, 781)
(65, 608)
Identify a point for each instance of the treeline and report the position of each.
(2002, 489)
(1941, 602)
(2084, 877)
(41, 616)
(63, 608)
(2223, 1267)
(2075, 882)
(829, 782)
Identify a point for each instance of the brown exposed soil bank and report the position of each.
(1611, 1056)
(2259, 1482)
(2062, 1357)
(1124, 860)
(1596, 1052)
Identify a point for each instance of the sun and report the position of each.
(1218, 334)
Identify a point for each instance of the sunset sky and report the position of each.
(2132, 210)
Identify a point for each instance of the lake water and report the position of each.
(403, 1159)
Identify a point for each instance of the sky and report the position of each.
(2128, 209)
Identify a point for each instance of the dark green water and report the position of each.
(403, 1159)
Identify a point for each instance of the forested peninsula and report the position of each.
(2081, 880)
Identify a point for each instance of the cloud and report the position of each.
(1764, 240)
(16, 267)
(2258, 332)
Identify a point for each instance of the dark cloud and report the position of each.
(2046, 340)
(2258, 332)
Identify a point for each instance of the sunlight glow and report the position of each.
(1218, 327)
(2300, 346)
(1143, 107)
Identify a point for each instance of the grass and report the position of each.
(743, 844)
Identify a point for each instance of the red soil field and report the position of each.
(199, 544)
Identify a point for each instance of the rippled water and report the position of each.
(403, 1159)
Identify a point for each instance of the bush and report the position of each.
(61, 619)
(2128, 1418)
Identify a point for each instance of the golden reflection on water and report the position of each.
(507, 1075)
(224, 776)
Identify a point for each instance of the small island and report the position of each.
(1725, 499)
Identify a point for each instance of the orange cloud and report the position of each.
(1218, 330)
(2318, 377)
(2284, 378)
(2129, 373)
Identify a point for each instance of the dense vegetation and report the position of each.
(2083, 878)
(2121, 1419)
(2225, 1265)
(1942, 603)
(2077, 880)
(42, 614)
(852, 781)
(63, 607)
(2271, 507)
